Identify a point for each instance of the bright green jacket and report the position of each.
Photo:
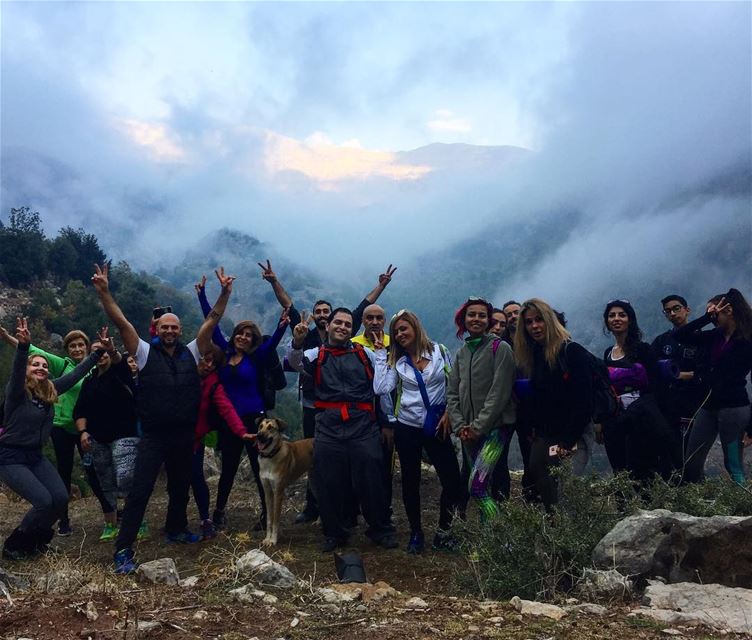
(67, 401)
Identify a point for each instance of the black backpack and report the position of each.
(605, 400)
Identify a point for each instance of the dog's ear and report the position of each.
(259, 419)
(281, 424)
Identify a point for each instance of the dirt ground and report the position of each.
(52, 611)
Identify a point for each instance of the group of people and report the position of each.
(366, 396)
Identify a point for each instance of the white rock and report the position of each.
(295, 622)
(189, 582)
(332, 596)
(416, 603)
(532, 608)
(672, 632)
(588, 608)
(596, 584)
(201, 614)
(263, 569)
(163, 571)
(91, 612)
(148, 625)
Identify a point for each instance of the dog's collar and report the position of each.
(273, 453)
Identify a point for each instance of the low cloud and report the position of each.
(446, 121)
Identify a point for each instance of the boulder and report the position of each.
(162, 570)
(416, 603)
(714, 605)
(248, 594)
(604, 585)
(259, 566)
(532, 608)
(680, 548)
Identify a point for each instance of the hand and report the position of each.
(378, 340)
(386, 278)
(444, 427)
(22, 331)
(563, 452)
(300, 331)
(101, 278)
(224, 281)
(746, 441)
(250, 437)
(266, 271)
(599, 433)
(719, 307)
(85, 441)
(105, 341)
(467, 434)
(201, 285)
(6, 337)
(387, 436)
(284, 317)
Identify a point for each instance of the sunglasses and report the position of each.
(617, 301)
(477, 299)
(401, 312)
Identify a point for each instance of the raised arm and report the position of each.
(7, 338)
(15, 389)
(384, 279)
(217, 336)
(203, 339)
(267, 273)
(271, 343)
(101, 282)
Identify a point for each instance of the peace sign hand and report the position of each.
(22, 331)
(101, 278)
(378, 340)
(200, 286)
(386, 277)
(719, 307)
(266, 271)
(300, 331)
(105, 341)
(224, 281)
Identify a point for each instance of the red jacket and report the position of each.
(223, 405)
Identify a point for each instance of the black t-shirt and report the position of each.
(685, 356)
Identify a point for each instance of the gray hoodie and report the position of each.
(479, 389)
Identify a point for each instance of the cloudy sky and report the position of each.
(153, 123)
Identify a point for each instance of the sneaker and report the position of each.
(183, 537)
(109, 533)
(417, 543)
(445, 541)
(219, 519)
(304, 517)
(64, 529)
(143, 531)
(124, 562)
(208, 530)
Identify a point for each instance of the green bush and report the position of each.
(535, 554)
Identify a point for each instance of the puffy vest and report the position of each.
(343, 375)
(169, 390)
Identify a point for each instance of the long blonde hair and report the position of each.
(43, 391)
(423, 343)
(555, 336)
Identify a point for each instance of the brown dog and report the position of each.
(281, 463)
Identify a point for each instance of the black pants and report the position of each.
(174, 449)
(347, 459)
(410, 442)
(539, 471)
(64, 444)
(231, 447)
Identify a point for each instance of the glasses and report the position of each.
(670, 310)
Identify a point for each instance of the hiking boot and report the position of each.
(64, 529)
(183, 537)
(41, 539)
(19, 545)
(208, 530)
(445, 541)
(305, 517)
(143, 531)
(124, 562)
(387, 541)
(417, 543)
(219, 519)
(109, 533)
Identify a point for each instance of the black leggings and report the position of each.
(410, 442)
(64, 444)
(231, 447)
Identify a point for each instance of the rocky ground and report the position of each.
(226, 592)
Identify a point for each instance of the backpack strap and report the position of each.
(360, 350)
(339, 351)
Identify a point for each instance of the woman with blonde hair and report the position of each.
(561, 394)
(417, 368)
(29, 408)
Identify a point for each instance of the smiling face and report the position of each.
(243, 339)
(169, 329)
(321, 314)
(373, 319)
(476, 320)
(404, 335)
(38, 368)
(535, 325)
(512, 312)
(77, 349)
(617, 320)
(339, 330)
